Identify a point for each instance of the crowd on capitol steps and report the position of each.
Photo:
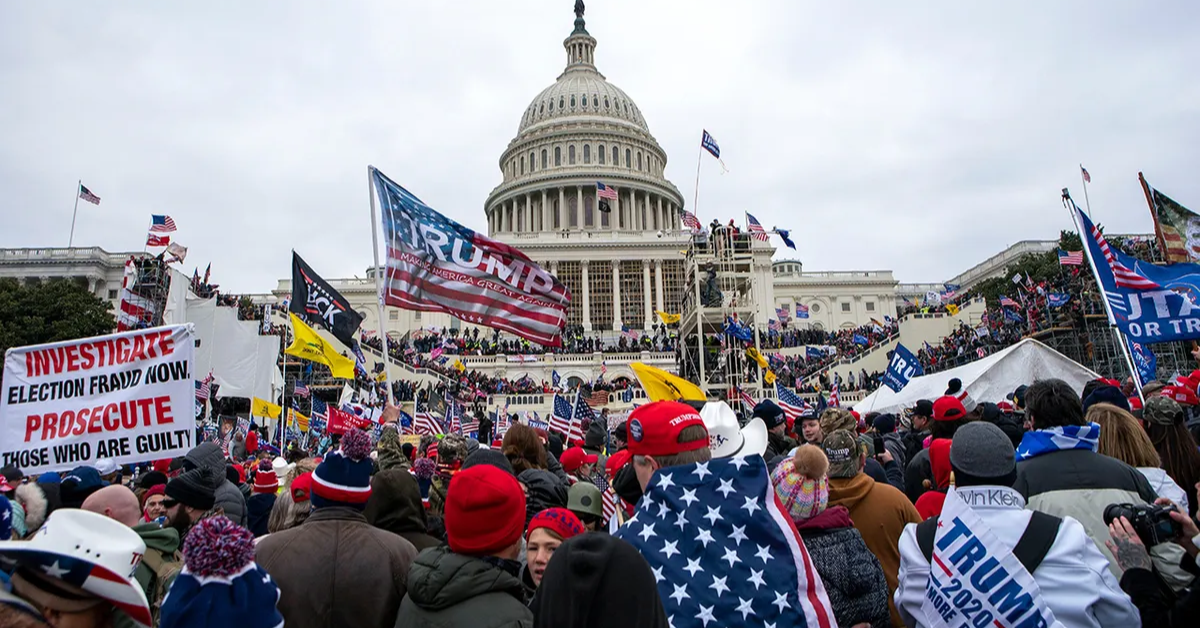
(1052, 506)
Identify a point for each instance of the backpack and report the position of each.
(164, 569)
(1031, 548)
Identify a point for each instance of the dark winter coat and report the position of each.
(229, 498)
(851, 573)
(894, 443)
(914, 442)
(335, 569)
(395, 506)
(919, 469)
(258, 511)
(546, 490)
(779, 445)
(448, 590)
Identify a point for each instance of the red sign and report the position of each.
(340, 421)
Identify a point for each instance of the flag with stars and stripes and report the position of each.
(560, 416)
(608, 499)
(437, 265)
(748, 402)
(424, 422)
(756, 229)
(835, 397)
(470, 424)
(582, 411)
(1123, 272)
(790, 402)
(300, 390)
(690, 221)
(723, 550)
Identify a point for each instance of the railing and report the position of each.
(408, 367)
(63, 253)
(844, 361)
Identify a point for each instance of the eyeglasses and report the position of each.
(167, 502)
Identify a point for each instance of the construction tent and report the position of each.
(990, 379)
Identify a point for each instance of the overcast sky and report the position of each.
(920, 137)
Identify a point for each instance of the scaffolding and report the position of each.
(719, 289)
(149, 289)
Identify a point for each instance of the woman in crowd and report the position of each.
(1122, 437)
(152, 503)
(548, 529)
(598, 581)
(1175, 445)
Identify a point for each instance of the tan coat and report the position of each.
(879, 512)
(336, 570)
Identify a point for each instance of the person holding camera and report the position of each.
(1158, 605)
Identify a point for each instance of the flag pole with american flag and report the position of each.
(85, 194)
(379, 270)
(1122, 276)
(1086, 179)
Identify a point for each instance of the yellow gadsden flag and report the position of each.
(661, 385)
(459, 366)
(758, 358)
(258, 407)
(952, 308)
(668, 319)
(309, 346)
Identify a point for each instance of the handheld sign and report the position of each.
(903, 367)
(127, 397)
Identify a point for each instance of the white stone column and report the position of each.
(554, 267)
(646, 294)
(528, 212)
(545, 213)
(562, 209)
(579, 207)
(587, 297)
(658, 284)
(662, 220)
(616, 288)
(618, 207)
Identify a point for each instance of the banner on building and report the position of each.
(127, 397)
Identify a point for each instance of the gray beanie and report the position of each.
(981, 450)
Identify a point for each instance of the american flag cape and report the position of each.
(437, 265)
(723, 550)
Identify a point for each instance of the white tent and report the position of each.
(989, 379)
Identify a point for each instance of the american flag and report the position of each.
(424, 421)
(1072, 258)
(784, 312)
(157, 240)
(835, 398)
(87, 195)
(722, 549)
(582, 411)
(756, 229)
(406, 423)
(773, 325)
(690, 221)
(1086, 177)
(470, 424)
(1123, 276)
(560, 417)
(790, 402)
(161, 224)
(135, 311)
(628, 333)
(1007, 302)
(202, 389)
(747, 401)
(300, 390)
(604, 191)
(469, 275)
(320, 409)
(607, 497)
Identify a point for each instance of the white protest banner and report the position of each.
(126, 396)
(974, 579)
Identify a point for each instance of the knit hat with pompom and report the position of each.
(265, 480)
(802, 483)
(220, 584)
(344, 478)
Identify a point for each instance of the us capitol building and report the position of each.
(620, 265)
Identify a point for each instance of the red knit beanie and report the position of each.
(560, 521)
(265, 480)
(485, 511)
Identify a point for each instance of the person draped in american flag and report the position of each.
(723, 551)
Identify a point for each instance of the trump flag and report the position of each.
(437, 265)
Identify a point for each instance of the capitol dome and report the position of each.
(581, 93)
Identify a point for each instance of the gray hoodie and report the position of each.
(229, 498)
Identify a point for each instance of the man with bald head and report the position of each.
(162, 560)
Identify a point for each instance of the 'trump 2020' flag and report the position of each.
(437, 265)
(1144, 360)
(316, 300)
(723, 551)
(903, 367)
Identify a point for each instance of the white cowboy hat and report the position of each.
(726, 438)
(87, 551)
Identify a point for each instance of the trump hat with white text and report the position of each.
(78, 556)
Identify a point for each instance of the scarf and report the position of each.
(1060, 438)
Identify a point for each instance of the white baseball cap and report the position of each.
(106, 466)
(726, 438)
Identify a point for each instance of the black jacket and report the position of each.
(778, 445)
(395, 505)
(546, 490)
(1158, 605)
(258, 511)
(448, 590)
(598, 581)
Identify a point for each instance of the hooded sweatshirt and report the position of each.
(395, 505)
(229, 498)
(598, 581)
(448, 590)
(879, 512)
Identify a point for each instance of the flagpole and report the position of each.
(379, 283)
(1086, 202)
(695, 194)
(1072, 209)
(75, 212)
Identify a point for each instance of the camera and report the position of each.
(1152, 523)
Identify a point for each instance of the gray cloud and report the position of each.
(921, 137)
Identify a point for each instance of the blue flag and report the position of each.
(1144, 361)
(783, 234)
(813, 353)
(903, 367)
(1012, 316)
(738, 330)
(860, 339)
(1149, 303)
(1057, 299)
(555, 378)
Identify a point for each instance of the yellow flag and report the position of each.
(459, 365)
(309, 346)
(661, 385)
(381, 377)
(952, 308)
(668, 319)
(753, 354)
(769, 378)
(297, 419)
(258, 407)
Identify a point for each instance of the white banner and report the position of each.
(127, 396)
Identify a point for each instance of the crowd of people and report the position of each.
(1079, 506)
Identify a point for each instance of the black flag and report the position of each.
(314, 300)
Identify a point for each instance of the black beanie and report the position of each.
(954, 388)
(152, 479)
(489, 456)
(194, 488)
(589, 572)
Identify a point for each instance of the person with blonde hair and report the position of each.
(1122, 437)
